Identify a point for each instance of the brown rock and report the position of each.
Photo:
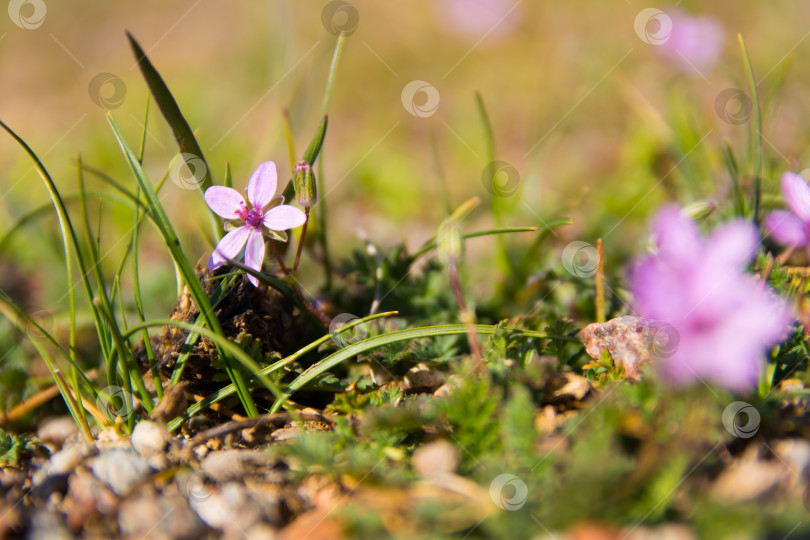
(631, 342)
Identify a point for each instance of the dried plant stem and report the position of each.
(600, 282)
(467, 317)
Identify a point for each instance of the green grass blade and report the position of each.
(46, 209)
(734, 173)
(186, 141)
(183, 265)
(69, 239)
(221, 342)
(142, 147)
(228, 181)
(136, 289)
(330, 81)
(288, 137)
(431, 244)
(354, 349)
(758, 152)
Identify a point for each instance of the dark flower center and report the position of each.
(252, 217)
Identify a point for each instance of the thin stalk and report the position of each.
(301, 241)
(600, 282)
(758, 152)
(467, 317)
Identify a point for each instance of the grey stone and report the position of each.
(121, 469)
(149, 437)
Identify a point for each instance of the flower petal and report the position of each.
(281, 218)
(797, 194)
(224, 201)
(786, 228)
(262, 184)
(677, 236)
(229, 247)
(731, 245)
(254, 254)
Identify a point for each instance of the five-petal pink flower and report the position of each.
(723, 316)
(262, 214)
(792, 228)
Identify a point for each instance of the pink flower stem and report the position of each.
(299, 294)
(279, 258)
(301, 241)
(467, 317)
(785, 254)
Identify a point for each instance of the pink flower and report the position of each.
(695, 43)
(476, 18)
(264, 215)
(792, 228)
(723, 317)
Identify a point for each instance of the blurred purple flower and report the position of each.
(474, 18)
(724, 318)
(792, 228)
(695, 43)
(264, 215)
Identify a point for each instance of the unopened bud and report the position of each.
(304, 183)
(450, 244)
(700, 210)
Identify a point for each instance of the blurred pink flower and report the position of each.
(265, 215)
(695, 43)
(476, 18)
(723, 317)
(792, 228)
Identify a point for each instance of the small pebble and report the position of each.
(234, 464)
(149, 437)
(56, 430)
(151, 516)
(422, 378)
(47, 525)
(228, 509)
(120, 469)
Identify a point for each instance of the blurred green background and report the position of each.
(599, 126)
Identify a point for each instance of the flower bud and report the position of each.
(698, 211)
(304, 184)
(449, 242)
